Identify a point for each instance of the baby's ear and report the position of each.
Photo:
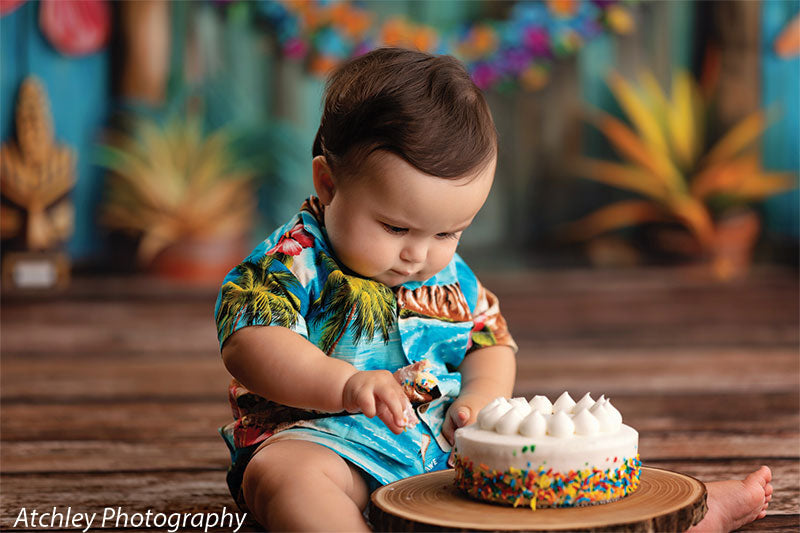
(323, 179)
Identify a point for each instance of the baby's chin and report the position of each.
(393, 279)
(390, 278)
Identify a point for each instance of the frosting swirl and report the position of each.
(563, 418)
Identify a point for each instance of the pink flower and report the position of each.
(293, 241)
(295, 48)
(479, 322)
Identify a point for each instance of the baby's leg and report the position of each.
(294, 485)
(734, 503)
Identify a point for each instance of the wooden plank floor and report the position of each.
(112, 391)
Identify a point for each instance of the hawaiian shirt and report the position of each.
(420, 331)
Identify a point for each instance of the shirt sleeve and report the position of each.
(489, 328)
(260, 291)
(489, 325)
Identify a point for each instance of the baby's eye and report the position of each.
(448, 235)
(394, 230)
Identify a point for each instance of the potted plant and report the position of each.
(183, 194)
(704, 188)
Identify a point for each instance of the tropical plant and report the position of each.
(172, 183)
(665, 159)
(259, 295)
(344, 300)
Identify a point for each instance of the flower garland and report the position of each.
(499, 54)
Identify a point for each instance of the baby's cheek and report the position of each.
(372, 258)
(439, 259)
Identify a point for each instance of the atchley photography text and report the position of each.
(117, 517)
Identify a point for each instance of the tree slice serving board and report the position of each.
(664, 501)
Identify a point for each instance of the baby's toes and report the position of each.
(762, 477)
(768, 490)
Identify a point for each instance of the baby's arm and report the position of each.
(486, 373)
(279, 364)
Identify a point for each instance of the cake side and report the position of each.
(601, 451)
(541, 488)
(543, 454)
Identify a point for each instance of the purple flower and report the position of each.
(537, 39)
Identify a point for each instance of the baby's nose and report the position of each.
(414, 253)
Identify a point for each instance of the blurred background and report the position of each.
(169, 137)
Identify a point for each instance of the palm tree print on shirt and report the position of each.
(346, 301)
(259, 296)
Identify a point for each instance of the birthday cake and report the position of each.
(542, 454)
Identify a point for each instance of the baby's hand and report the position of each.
(462, 412)
(377, 392)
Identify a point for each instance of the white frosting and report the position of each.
(564, 403)
(533, 425)
(563, 435)
(496, 401)
(613, 413)
(521, 403)
(560, 425)
(606, 421)
(586, 423)
(563, 419)
(489, 415)
(542, 404)
(499, 452)
(584, 403)
(509, 422)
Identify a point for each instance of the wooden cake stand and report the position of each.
(664, 501)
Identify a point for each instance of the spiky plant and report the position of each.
(172, 183)
(666, 159)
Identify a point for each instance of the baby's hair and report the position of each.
(423, 108)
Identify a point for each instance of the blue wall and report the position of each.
(80, 93)
(780, 85)
(80, 99)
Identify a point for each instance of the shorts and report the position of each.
(377, 468)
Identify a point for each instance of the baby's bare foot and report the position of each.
(734, 503)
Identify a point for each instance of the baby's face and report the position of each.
(395, 224)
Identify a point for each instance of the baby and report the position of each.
(373, 340)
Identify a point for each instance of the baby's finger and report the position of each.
(462, 416)
(385, 414)
(366, 402)
(395, 399)
(448, 429)
(456, 417)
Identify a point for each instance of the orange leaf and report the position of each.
(739, 137)
(628, 145)
(628, 177)
(758, 186)
(615, 216)
(638, 112)
(725, 176)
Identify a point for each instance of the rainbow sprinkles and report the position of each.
(544, 488)
(541, 454)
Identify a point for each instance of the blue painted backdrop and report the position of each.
(79, 91)
(780, 86)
